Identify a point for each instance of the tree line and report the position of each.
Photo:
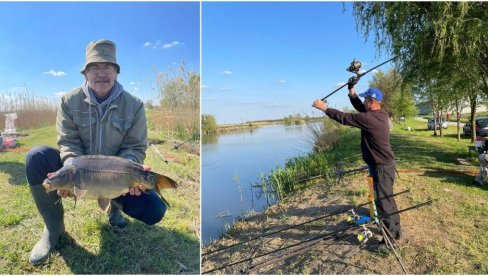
(441, 49)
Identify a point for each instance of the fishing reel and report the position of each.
(357, 219)
(354, 67)
(353, 217)
(365, 235)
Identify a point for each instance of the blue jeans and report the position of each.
(148, 207)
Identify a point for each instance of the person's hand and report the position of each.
(321, 105)
(136, 191)
(351, 82)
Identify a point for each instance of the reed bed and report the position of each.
(324, 163)
(32, 110)
(179, 96)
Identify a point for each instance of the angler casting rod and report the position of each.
(320, 237)
(355, 65)
(300, 224)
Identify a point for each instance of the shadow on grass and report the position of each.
(136, 249)
(16, 170)
(328, 229)
(462, 179)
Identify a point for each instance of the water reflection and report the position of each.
(212, 138)
(232, 165)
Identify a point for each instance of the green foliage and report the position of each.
(398, 96)
(329, 141)
(209, 124)
(441, 46)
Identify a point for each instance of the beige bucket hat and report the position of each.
(100, 51)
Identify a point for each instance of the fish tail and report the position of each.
(164, 182)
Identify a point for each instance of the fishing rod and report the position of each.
(302, 249)
(300, 224)
(354, 68)
(177, 146)
(319, 237)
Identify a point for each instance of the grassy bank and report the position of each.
(91, 245)
(447, 237)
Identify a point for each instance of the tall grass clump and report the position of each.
(332, 143)
(179, 97)
(32, 110)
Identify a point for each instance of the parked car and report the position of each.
(430, 124)
(481, 127)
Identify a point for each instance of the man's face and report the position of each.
(367, 103)
(101, 77)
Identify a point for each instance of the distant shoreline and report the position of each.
(260, 123)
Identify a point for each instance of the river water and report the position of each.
(233, 163)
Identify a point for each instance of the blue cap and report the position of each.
(374, 93)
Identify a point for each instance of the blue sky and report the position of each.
(267, 60)
(43, 44)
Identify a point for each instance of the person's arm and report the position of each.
(69, 140)
(359, 120)
(134, 145)
(355, 100)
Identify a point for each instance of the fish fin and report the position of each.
(104, 204)
(164, 182)
(164, 199)
(79, 193)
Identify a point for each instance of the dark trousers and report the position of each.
(148, 207)
(383, 179)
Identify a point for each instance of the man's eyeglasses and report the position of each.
(105, 68)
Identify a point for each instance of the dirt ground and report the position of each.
(339, 254)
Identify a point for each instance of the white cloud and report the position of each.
(224, 88)
(282, 81)
(160, 45)
(341, 83)
(227, 72)
(171, 45)
(55, 74)
(204, 86)
(133, 83)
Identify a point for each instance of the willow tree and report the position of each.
(430, 39)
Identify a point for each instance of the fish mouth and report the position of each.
(46, 186)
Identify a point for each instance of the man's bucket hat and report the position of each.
(100, 51)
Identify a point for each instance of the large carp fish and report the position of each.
(104, 178)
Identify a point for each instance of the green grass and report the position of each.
(91, 245)
(448, 237)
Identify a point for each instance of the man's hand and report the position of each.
(351, 82)
(320, 105)
(139, 189)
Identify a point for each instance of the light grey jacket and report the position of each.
(83, 129)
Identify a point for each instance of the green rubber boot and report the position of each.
(52, 213)
(115, 217)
